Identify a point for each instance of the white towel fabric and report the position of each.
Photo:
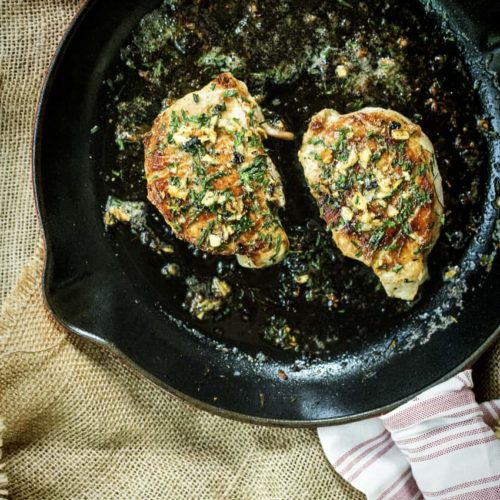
(440, 445)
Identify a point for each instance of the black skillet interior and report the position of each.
(104, 286)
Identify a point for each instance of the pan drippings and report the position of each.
(298, 58)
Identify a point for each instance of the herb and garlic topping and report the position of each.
(210, 176)
(375, 178)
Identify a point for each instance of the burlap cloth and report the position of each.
(78, 423)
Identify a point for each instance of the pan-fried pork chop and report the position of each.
(374, 176)
(211, 178)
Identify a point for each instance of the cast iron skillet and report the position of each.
(101, 291)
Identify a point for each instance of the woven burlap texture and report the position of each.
(29, 33)
(3, 477)
(78, 423)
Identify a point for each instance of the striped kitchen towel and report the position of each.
(440, 445)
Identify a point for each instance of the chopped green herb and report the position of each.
(376, 238)
(206, 231)
(230, 93)
(158, 69)
(174, 121)
(243, 225)
(201, 120)
(420, 196)
(280, 334)
(277, 248)
(239, 136)
(198, 168)
(254, 141)
(391, 247)
(210, 178)
(251, 119)
(316, 142)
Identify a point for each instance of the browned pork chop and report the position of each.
(374, 176)
(211, 178)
